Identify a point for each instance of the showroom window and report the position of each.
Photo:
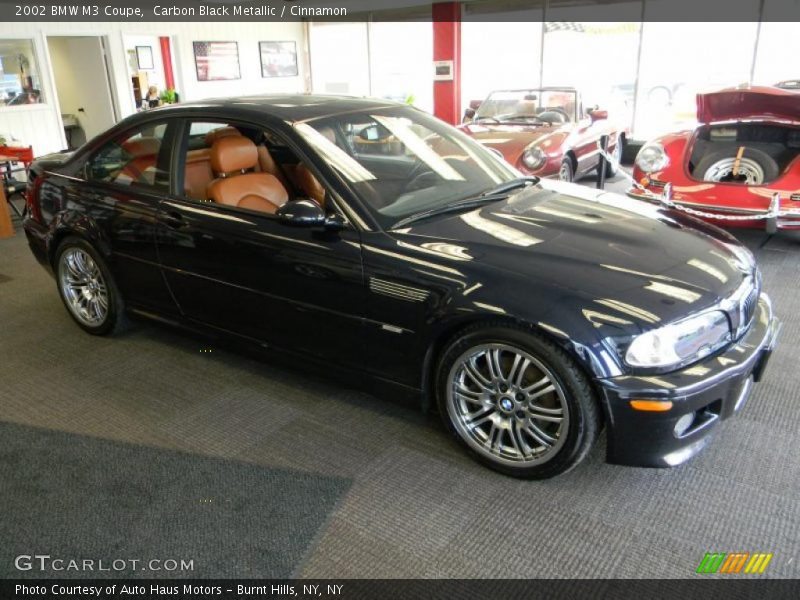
(386, 59)
(499, 56)
(135, 160)
(573, 51)
(20, 81)
(331, 74)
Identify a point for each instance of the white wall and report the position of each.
(72, 58)
(40, 125)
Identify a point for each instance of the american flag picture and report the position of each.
(216, 60)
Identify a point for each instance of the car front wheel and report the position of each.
(566, 172)
(87, 288)
(517, 402)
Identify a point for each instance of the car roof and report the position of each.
(288, 107)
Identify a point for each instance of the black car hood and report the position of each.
(653, 265)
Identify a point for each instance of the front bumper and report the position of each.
(709, 391)
(751, 218)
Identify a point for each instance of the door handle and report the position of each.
(173, 219)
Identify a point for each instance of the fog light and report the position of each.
(683, 424)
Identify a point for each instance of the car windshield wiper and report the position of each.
(466, 204)
(500, 192)
(510, 186)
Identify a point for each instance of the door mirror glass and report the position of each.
(302, 213)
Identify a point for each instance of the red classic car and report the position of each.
(544, 132)
(742, 159)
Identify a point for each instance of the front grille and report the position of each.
(743, 304)
(748, 309)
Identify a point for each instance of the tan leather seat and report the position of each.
(141, 165)
(220, 132)
(267, 164)
(231, 156)
(197, 174)
(309, 184)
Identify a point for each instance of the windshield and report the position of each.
(401, 161)
(548, 107)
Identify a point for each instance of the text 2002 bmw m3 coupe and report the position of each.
(371, 239)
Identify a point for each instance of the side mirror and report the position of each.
(308, 213)
(469, 115)
(301, 213)
(597, 114)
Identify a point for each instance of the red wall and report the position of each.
(447, 46)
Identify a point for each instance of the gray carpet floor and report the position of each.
(146, 444)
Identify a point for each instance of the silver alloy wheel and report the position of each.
(507, 405)
(83, 286)
(565, 172)
(749, 171)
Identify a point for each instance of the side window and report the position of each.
(134, 160)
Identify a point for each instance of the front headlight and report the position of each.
(682, 342)
(652, 157)
(533, 157)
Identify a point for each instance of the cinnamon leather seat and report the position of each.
(231, 157)
(310, 185)
(142, 155)
(220, 132)
(198, 173)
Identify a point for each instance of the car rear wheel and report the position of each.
(87, 288)
(752, 167)
(517, 402)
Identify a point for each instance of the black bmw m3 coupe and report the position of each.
(371, 239)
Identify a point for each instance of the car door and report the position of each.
(246, 272)
(125, 180)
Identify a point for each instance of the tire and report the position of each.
(566, 172)
(87, 288)
(755, 167)
(619, 148)
(535, 420)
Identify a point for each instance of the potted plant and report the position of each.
(169, 96)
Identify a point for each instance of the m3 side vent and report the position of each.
(397, 290)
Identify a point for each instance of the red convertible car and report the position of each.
(544, 132)
(739, 167)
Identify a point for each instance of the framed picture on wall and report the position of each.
(278, 59)
(144, 58)
(216, 61)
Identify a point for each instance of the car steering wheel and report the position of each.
(420, 177)
(558, 110)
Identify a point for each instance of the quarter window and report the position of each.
(134, 160)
